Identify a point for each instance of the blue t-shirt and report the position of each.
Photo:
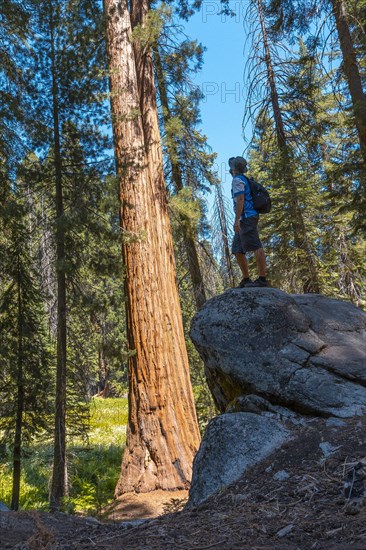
(240, 186)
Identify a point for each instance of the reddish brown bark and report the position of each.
(162, 435)
(177, 179)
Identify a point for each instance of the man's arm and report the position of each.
(239, 207)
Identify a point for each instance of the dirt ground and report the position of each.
(304, 497)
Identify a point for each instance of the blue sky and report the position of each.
(221, 80)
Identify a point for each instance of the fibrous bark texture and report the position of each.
(162, 435)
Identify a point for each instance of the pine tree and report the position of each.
(321, 128)
(68, 63)
(95, 276)
(347, 19)
(26, 381)
(297, 247)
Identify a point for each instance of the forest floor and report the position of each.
(293, 500)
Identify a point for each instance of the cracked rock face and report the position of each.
(305, 353)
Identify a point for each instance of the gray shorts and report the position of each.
(248, 239)
(236, 247)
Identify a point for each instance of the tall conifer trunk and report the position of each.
(17, 448)
(58, 485)
(162, 435)
(188, 238)
(300, 235)
(351, 71)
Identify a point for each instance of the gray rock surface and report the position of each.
(232, 443)
(305, 353)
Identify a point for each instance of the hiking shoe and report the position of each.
(244, 282)
(258, 283)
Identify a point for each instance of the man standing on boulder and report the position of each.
(246, 238)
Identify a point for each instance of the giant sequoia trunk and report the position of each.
(177, 178)
(351, 70)
(162, 435)
(301, 239)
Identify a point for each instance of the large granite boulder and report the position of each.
(232, 443)
(302, 353)
(276, 362)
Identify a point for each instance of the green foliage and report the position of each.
(94, 469)
(187, 209)
(108, 421)
(25, 376)
(148, 34)
(324, 166)
(34, 479)
(93, 465)
(205, 406)
(93, 475)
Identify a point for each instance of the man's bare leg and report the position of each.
(261, 261)
(243, 264)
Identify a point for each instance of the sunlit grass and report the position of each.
(93, 466)
(108, 421)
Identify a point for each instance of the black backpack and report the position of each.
(261, 199)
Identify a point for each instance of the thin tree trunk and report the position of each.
(47, 267)
(300, 235)
(351, 71)
(224, 237)
(104, 387)
(20, 402)
(58, 485)
(347, 279)
(162, 435)
(189, 241)
(347, 271)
